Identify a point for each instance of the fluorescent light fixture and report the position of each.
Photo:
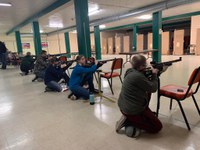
(145, 17)
(93, 9)
(56, 25)
(103, 26)
(94, 12)
(5, 4)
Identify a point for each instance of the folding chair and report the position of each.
(180, 93)
(116, 65)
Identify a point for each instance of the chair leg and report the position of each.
(170, 106)
(184, 116)
(36, 77)
(195, 102)
(158, 105)
(95, 77)
(120, 79)
(110, 84)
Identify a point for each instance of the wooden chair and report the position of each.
(180, 93)
(116, 65)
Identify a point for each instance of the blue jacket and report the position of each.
(78, 75)
(53, 73)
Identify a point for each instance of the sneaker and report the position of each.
(121, 123)
(64, 89)
(132, 131)
(73, 97)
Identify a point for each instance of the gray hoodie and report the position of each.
(133, 98)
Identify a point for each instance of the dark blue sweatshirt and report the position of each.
(78, 75)
(53, 73)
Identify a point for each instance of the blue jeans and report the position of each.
(79, 91)
(54, 86)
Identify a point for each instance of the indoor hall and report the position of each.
(161, 31)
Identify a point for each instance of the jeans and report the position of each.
(54, 86)
(79, 91)
(3, 57)
(41, 74)
(146, 121)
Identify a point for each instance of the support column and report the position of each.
(135, 32)
(18, 41)
(67, 44)
(82, 26)
(37, 38)
(97, 39)
(157, 28)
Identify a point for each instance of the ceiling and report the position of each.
(64, 16)
(20, 10)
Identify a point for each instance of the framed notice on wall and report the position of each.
(45, 44)
(26, 45)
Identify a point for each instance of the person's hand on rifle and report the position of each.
(155, 71)
(99, 64)
(63, 65)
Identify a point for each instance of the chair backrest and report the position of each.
(195, 77)
(63, 58)
(117, 64)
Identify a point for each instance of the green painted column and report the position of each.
(97, 39)
(67, 43)
(37, 38)
(135, 32)
(82, 26)
(157, 28)
(19, 43)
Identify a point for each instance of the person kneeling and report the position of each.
(134, 100)
(27, 64)
(54, 73)
(80, 75)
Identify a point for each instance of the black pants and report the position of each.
(27, 68)
(3, 57)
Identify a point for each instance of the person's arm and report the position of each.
(86, 70)
(42, 62)
(147, 85)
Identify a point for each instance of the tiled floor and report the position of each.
(33, 120)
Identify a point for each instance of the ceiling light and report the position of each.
(55, 25)
(103, 26)
(145, 17)
(5, 4)
(93, 9)
(94, 12)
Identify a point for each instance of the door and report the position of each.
(150, 44)
(178, 42)
(126, 43)
(165, 43)
(198, 43)
(140, 42)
